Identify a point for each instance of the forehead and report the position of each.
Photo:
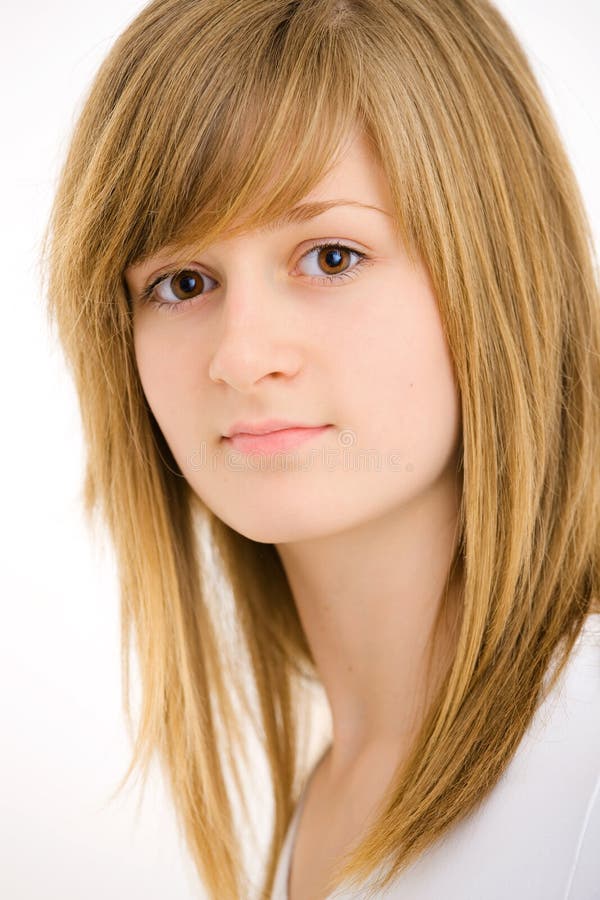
(354, 178)
(301, 213)
(353, 182)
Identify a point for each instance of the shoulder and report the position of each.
(545, 810)
(545, 796)
(566, 743)
(568, 719)
(567, 723)
(537, 833)
(584, 880)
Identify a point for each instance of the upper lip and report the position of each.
(265, 426)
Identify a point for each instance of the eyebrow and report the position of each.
(306, 211)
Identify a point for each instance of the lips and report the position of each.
(266, 426)
(279, 439)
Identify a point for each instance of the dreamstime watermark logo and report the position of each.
(347, 456)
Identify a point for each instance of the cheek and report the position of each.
(434, 400)
(402, 375)
(164, 370)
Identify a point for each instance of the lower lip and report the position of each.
(273, 441)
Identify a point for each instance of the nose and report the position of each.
(257, 337)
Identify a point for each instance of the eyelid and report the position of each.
(334, 242)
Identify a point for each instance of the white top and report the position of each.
(536, 836)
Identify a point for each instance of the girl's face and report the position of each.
(271, 325)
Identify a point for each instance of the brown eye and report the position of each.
(331, 262)
(331, 259)
(187, 284)
(174, 290)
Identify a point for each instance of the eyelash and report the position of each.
(172, 307)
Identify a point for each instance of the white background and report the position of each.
(63, 745)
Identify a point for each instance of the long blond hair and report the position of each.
(209, 116)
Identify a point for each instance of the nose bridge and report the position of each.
(253, 339)
(248, 280)
(251, 293)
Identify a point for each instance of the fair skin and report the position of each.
(366, 548)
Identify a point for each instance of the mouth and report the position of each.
(274, 441)
(265, 426)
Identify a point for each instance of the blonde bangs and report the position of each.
(194, 131)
